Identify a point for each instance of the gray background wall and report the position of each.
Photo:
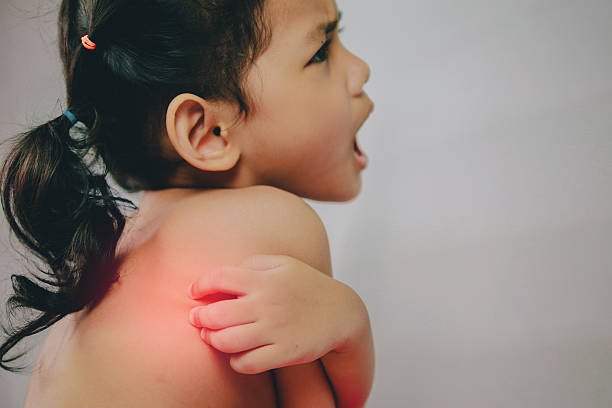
(481, 241)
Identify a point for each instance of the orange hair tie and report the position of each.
(87, 43)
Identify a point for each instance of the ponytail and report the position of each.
(66, 215)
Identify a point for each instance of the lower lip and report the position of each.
(360, 156)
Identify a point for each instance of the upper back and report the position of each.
(137, 348)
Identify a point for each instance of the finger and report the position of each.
(263, 262)
(235, 339)
(257, 361)
(226, 279)
(222, 314)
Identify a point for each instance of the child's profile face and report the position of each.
(309, 104)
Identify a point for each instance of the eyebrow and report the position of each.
(324, 28)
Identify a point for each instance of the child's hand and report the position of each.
(286, 313)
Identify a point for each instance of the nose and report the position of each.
(359, 74)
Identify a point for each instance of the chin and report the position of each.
(339, 196)
(353, 196)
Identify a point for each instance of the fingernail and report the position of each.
(203, 334)
(190, 291)
(193, 317)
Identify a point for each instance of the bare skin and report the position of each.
(137, 348)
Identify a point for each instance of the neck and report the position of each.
(237, 177)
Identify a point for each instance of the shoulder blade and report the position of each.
(238, 223)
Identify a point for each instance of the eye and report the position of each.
(323, 54)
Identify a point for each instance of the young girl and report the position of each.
(225, 113)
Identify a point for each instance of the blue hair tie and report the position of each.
(70, 116)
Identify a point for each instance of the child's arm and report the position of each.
(289, 314)
(303, 386)
(351, 368)
(350, 372)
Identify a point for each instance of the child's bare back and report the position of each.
(136, 347)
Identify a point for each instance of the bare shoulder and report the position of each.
(234, 224)
(237, 223)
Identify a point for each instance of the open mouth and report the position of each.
(360, 156)
(356, 147)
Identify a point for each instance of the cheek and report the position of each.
(307, 113)
(322, 127)
(326, 107)
(332, 116)
(313, 118)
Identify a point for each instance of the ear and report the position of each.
(191, 122)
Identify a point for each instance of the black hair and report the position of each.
(54, 188)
